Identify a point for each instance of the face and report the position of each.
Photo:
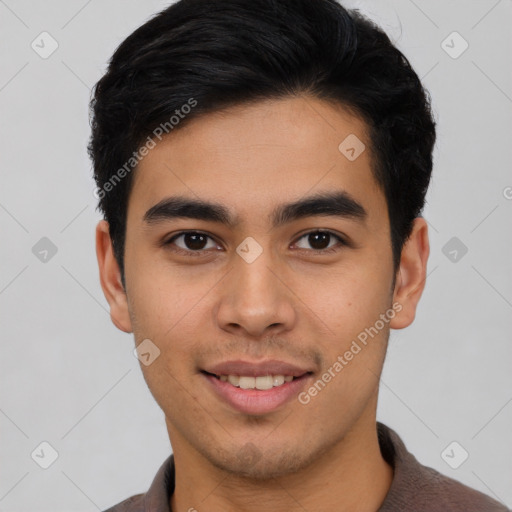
(274, 283)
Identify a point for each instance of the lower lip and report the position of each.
(255, 401)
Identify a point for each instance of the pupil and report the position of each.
(195, 241)
(323, 238)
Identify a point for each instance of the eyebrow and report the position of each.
(336, 204)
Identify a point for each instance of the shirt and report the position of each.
(415, 488)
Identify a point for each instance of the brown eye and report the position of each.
(320, 241)
(191, 241)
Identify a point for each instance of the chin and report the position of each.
(250, 463)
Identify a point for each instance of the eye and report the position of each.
(195, 243)
(191, 242)
(320, 241)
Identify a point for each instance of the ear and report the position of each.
(110, 278)
(411, 274)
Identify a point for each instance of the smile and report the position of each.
(256, 388)
(262, 382)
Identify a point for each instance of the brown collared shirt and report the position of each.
(415, 488)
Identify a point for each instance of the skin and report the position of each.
(289, 304)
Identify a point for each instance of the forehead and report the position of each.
(252, 157)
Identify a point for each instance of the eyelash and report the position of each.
(331, 250)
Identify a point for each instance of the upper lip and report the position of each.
(253, 369)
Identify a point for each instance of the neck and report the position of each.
(352, 475)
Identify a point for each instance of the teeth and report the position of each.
(233, 379)
(263, 382)
(266, 382)
(247, 382)
(277, 380)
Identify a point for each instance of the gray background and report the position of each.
(69, 376)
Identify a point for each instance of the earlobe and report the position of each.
(110, 278)
(411, 276)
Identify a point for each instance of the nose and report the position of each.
(255, 299)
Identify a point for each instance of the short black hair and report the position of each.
(200, 56)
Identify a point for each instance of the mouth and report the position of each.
(261, 382)
(256, 389)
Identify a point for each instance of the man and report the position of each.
(262, 167)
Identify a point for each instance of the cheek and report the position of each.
(169, 310)
(351, 299)
(354, 347)
(160, 297)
